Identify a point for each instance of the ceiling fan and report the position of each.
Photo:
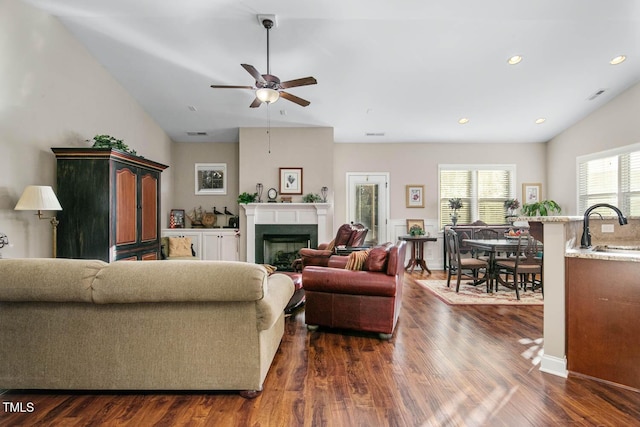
(269, 87)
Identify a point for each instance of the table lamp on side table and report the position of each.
(41, 198)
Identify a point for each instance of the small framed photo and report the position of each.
(415, 196)
(176, 218)
(414, 223)
(531, 193)
(211, 179)
(290, 181)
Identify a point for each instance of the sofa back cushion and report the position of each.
(48, 279)
(176, 281)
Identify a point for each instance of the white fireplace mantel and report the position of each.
(283, 214)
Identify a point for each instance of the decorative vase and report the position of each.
(454, 219)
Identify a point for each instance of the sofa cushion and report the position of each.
(180, 247)
(179, 281)
(378, 258)
(45, 279)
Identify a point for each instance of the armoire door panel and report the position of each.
(126, 206)
(149, 194)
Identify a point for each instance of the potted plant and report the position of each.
(108, 141)
(511, 205)
(455, 204)
(542, 208)
(416, 230)
(247, 197)
(311, 198)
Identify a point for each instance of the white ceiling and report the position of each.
(406, 68)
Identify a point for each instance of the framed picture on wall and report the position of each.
(415, 223)
(415, 196)
(290, 181)
(531, 193)
(211, 179)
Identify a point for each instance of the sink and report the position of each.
(618, 249)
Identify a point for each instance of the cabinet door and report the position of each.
(126, 205)
(229, 247)
(211, 246)
(149, 206)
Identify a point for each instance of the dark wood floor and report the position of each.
(444, 366)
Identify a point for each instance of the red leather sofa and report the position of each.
(365, 300)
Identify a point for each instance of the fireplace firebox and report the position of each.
(278, 245)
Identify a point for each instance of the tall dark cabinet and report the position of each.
(110, 205)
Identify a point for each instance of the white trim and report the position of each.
(554, 366)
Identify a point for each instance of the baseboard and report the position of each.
(554, 366)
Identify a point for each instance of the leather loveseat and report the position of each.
(365, 300)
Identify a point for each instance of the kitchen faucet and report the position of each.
(585, 241)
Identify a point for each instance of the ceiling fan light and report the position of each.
(267, 95)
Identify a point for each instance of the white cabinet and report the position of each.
(209, 243)
(223, 245)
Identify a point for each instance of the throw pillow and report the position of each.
(270, 268)
(356, 260)
(180, 246)
(377, 259)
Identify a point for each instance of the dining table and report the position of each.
(492, 247)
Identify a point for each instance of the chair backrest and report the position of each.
(486, 233)
(453, 248)
(528, 249)
(351, 235)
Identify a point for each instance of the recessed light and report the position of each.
(618, 60)
(515, 59)
(540, 121)
(463, 121)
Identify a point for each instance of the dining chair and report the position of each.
(457, 264)
(525, 266)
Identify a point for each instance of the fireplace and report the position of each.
(278, 245)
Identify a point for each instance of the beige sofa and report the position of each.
(149, 325)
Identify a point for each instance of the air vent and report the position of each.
(374, 134)
(196, 133)
(597, 94)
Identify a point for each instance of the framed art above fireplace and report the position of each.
(290, 181)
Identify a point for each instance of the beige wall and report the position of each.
(614, 125)
(184, 157)
(53, 93)
(418, 164)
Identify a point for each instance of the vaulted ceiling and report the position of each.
(387, 71)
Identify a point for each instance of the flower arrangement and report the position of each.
(247, 197)
(455, 203)
(512, 204)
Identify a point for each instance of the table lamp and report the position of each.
(41, 198)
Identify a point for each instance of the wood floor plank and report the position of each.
(444, 366)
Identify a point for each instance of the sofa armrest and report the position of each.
(340, 281)
(279, 291)
(315, 256)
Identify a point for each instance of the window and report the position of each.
(610, 177)
(483, 190)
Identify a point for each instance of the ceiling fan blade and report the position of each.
(256, 103)
(231, 87)
(293, 98)
(254, 73)
(305, 81)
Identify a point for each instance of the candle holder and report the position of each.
(324, 191)
(259, 188)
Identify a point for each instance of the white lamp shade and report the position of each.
(267, 95)
(38, 198)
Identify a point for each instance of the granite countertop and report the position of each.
(592, 253)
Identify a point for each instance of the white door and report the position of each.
(368, 203)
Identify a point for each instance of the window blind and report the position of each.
(483, 190)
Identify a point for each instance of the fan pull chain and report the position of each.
(269, 125)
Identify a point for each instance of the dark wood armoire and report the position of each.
(110, 205)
